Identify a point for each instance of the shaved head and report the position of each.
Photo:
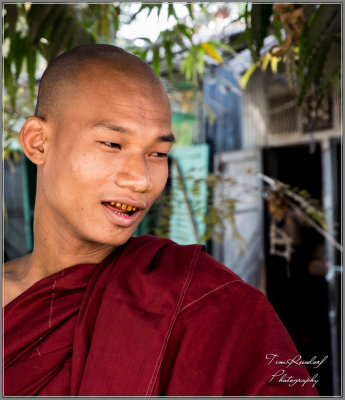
(60, 82)
(101, 133)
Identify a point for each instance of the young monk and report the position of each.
(94, 312)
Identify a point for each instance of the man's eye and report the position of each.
(112, 145)
(160, 155)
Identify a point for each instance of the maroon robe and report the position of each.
(154, 318)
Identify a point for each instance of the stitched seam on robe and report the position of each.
(183, 293)
(208, 293)
(51, 305)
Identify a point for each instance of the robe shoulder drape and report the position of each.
(154, 318)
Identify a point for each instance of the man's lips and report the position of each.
(125, 206)
(121, 208)
(123, 213)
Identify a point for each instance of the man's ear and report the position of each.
(32, 139)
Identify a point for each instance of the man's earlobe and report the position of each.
(32, 139)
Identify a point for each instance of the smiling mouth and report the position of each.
(121, 208)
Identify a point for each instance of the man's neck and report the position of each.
(45, 260)
(58, 249)
(55, 254)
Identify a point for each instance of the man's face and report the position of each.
(106, 158)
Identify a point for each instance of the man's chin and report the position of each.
(118, 239)
(110, 234)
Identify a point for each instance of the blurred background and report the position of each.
(255, 173)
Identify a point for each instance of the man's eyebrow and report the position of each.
(110, 126)
(120, 129)
(167, 138)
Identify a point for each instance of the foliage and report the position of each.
(281, 199)
(320, 49)
(37, 29)
(257, 22)
(311, 51)
(280, 196)
(220, 211)
(309, 205)
(13, 121)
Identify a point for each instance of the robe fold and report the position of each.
(153, 318)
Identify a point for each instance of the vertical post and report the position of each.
(333, 311)
(29, 192)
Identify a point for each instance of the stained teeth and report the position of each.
(120, 213)
(123, 206)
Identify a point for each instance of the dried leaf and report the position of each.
(212, 52)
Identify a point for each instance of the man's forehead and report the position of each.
(106, 86)
(123, 129)
(125, 71)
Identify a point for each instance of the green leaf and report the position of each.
(323, 17)
(187, 65)
(116, 19)
(248, 31)
(104, 22)
(308, 10)
(143, 54)
(224, 46)
(159, 9)
(203, 8)
(169, 57)
(201, 61)
(52, 14)
(80, 36)
(311, 63)
(314, 32)
(63, 30)
(149, 7)
(171, 11)
(147, 40)
(9, 82)
(31, 68)
(10, 18)
(277, 26)
(331, 68)
(259, 23)
(17, 53)
(37, 16)
(185, 30)
(190, 10)
(156, 60)
(135, 14)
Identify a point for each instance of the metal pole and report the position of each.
(331, 278)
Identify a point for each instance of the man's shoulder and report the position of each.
(15, 269)
(213, 281)
(13, 278)
(206, 268)
(161, 246)
(210, 278)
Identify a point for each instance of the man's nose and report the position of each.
(134, 174)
